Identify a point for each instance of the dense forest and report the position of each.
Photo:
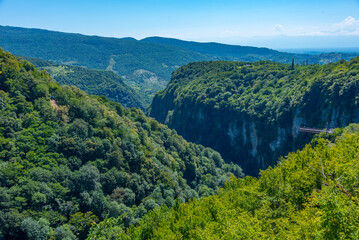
(69, 160)
(96, 82)
(310, 194)
(76, 166)
(251, 112)
(145, 65)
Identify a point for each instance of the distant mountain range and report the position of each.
(146, 65)
(251, 54)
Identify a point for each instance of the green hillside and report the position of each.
(68, 162)
(311, 194)
(251, 112)
(145, 65)
(97, 82)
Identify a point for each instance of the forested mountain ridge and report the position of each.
(225, 51)
(251, 112)
(145, 65)
(73, 159)
(311, 194)
(249, 54)
(96, 82)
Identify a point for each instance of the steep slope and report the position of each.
(76, 159)
(312, 194)
(251, 112)
(97, 82)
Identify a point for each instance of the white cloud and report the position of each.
(349, 26)
(279, 28)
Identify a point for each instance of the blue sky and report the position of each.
(270, 23)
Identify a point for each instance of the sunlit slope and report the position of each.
(69, 159)
(311, 194)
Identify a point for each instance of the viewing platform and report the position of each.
(315, 130)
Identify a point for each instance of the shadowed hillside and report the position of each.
(251, 112)
(311, 194)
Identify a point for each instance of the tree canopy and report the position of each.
(251, 112)
(310, 194)
(71, 160)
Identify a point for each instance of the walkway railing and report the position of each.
(315, 130)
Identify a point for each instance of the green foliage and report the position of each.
(39, 230)
(311, 194)
(97, 82)
(82, 222)
(69, 162)
(251, 112)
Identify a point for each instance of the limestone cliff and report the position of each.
(251, 114)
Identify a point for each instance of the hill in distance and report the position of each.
(96, 82)
(145, 65)
(227, 52)
(250, 54)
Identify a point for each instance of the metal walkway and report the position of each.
(315, 130)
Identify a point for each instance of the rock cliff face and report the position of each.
(254, 133)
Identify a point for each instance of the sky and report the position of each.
(267, 23)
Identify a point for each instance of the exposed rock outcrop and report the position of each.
(256, 140)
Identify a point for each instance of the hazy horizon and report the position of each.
(276, 24)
